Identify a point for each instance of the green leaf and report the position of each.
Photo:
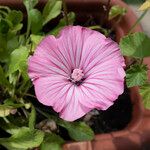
(5, 8)
(78, 131)
(136, 75)
(62, 23)
(145, 93)
(51, 142)
(23, 67)
(16, 28)
(36, 39)
(9, 43)
(32, 118)
(17, 57)
(36, 20)
(11, 103)
(116, 11)
(8, 105)
(4, 26)
(29, 4)
(51, 10)
(15, 17)
(12, 43)
(8, 127)
(4, 111)
(3, 81)
(3, 51)
(135, 45)
(23, 139)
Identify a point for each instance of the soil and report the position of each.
(115, 118)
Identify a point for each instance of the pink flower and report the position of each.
(77, 71)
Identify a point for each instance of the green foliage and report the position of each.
(135, 45)
(62, 23)
(32, 118)
(145, 93)
(8, 106)
(78, 131)
(23, 68)
(4, 111)
(4, 26)
(17, 57)
(136, 75)
(3, 81)
(10, 24)
(29, 4)
(35, 39)
(8, 127)
(51, 10)
(10, 42)
(116, 11)
(36, 20)
(51, 142)
(23, 139)
(15, 17)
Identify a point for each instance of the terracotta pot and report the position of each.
(137, 133)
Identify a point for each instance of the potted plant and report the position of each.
(22, 117)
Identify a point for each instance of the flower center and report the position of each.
(77, 75)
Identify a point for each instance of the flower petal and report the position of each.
(74, 109)
(50, 90)
(47, 60)
(62, 96)
(76, 42)
(108, 53)
(77, 48)
(104, 75)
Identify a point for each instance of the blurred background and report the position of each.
(134, 4)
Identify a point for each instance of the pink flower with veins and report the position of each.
(77, 71)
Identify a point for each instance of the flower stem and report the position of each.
(137, 21)
(65, 11)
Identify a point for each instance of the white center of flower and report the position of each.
(77, 75)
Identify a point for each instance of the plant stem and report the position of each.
(28, 27)
(46, 115)
(6, 120)
(65, 11)
(29, 21)
(25, 112)
(27, 94)
(137, 21)
(141, 61)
